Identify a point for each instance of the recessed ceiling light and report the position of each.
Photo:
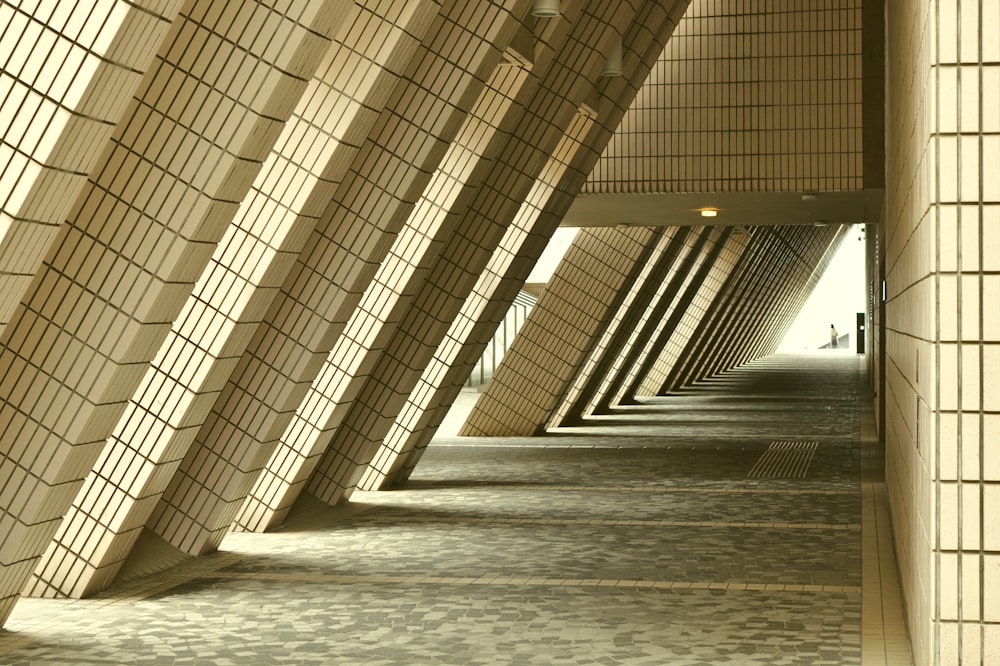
(709, 212)
(545, 8)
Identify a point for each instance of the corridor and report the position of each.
(736, 522)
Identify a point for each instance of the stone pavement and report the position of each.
(722, 525)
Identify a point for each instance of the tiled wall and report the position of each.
(750, 96)
(676, 250)
(749, 317)
(394, 165)
(368, 334)
(942, 340)
(511, 263)
(238, 206)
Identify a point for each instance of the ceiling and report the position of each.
(734, 208)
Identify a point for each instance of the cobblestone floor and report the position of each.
(637, 538)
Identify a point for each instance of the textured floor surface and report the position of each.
(721, 525)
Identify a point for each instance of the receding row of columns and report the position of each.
(280, 255)
(640, 311)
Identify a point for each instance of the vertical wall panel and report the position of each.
(942, 334)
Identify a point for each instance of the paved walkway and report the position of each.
(733, 523)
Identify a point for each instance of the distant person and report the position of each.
(833, 337)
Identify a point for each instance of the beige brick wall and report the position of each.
(942, 337)
(659, 354)
(383, 185)
(626, 322)
(560, 331)
(520, 247)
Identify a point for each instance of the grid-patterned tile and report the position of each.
(67, 72)
(383, 184)
(158, 201)
(938, 302)
(583, 293)
(672, 299)
(229, 299)
(366, 346)
(507, 179)
(629, 313)
(768, 99)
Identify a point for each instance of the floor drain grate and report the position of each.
(784, 460)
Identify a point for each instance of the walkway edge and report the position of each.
(884, 638)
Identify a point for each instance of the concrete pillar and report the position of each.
(521, 246)
(664, 323)
(533, 130)
(680, 247)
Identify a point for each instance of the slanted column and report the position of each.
(683, 280)
(716, 318)
(809, 250)
(384, 183)
(128, 260)
(521, 246)
(288, 197)
(477, 320)
(755, 329)
(367, 346)
(575, 308)
(69, 70)
(403, 323)
(725, 338)
(672, 245)
(672, 329)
